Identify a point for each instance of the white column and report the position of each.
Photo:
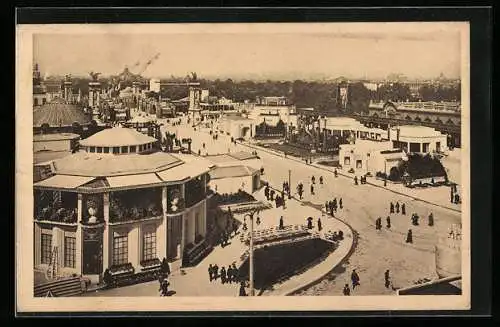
(161, 240)
(79, 238)
(133, 247)
(106, 233)
(183, 238)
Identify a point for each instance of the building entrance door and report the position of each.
(174, 236)
(92, 251)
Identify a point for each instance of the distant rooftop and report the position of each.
(117, 136)
(54, 137)
(58, 113)
(231, 171)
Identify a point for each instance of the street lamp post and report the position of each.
(251, 263)
(289, 183)
(385, 172)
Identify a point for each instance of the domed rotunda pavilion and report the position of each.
(119, 203)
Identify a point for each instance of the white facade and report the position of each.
(418, 139)
(54, 142)
(154, 85)
(365, 156)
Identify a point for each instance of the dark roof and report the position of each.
(58, 113)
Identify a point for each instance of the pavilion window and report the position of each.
(92, 149)
(106, 150)
(124, 149)
(69, 251)
(99, 149)
(116, 150)
(120, 249)
(132, 149)
(149, 245)
(140, 148)
(46, 245)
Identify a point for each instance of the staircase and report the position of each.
(59, 288)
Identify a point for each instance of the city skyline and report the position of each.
(416, 52)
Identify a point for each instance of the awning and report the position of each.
(132, 180)
(64, 181)
(182, 172)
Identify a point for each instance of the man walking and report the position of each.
(281, 225)
(340, 203)
(319, 225)
(210, 272)
(397, 207)
(431, 219)
(391, 208)
(354, 279)
(387, 280)
(388, 221)
(409, 236)
(403, 209)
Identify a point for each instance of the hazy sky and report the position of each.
(354, 52)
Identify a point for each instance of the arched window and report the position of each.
(418, 119)
(427, 120)
(450, 122)
(439, 121)
(375, 115)
(408, 118)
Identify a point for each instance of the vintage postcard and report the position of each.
(217, 167)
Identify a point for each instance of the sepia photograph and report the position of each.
(174, 167)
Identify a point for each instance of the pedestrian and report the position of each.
(397, 207)
(199, 152)
(346, 290)
(403, 209)
(242, 289)
(272, 195)
(236, 273)
(378, 224)
(409, 236)
(355, 180)
(391, 208)
(387, 279)
(340, 203)
(335, 172)
(281, 225)
(210, 272)
(223, 276)
(321, 179)
(415, 219)
(431, 219)
(258, 221)
(354, 279)
(452, 197)
(319, 225)
(309, 223)
(229, 273)
(215, 272)
(326, 206)
(266, 192)
(313, 180)
(388, 221)
(334, 203)
(203, 145)
(457, 198)
(312, 189)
